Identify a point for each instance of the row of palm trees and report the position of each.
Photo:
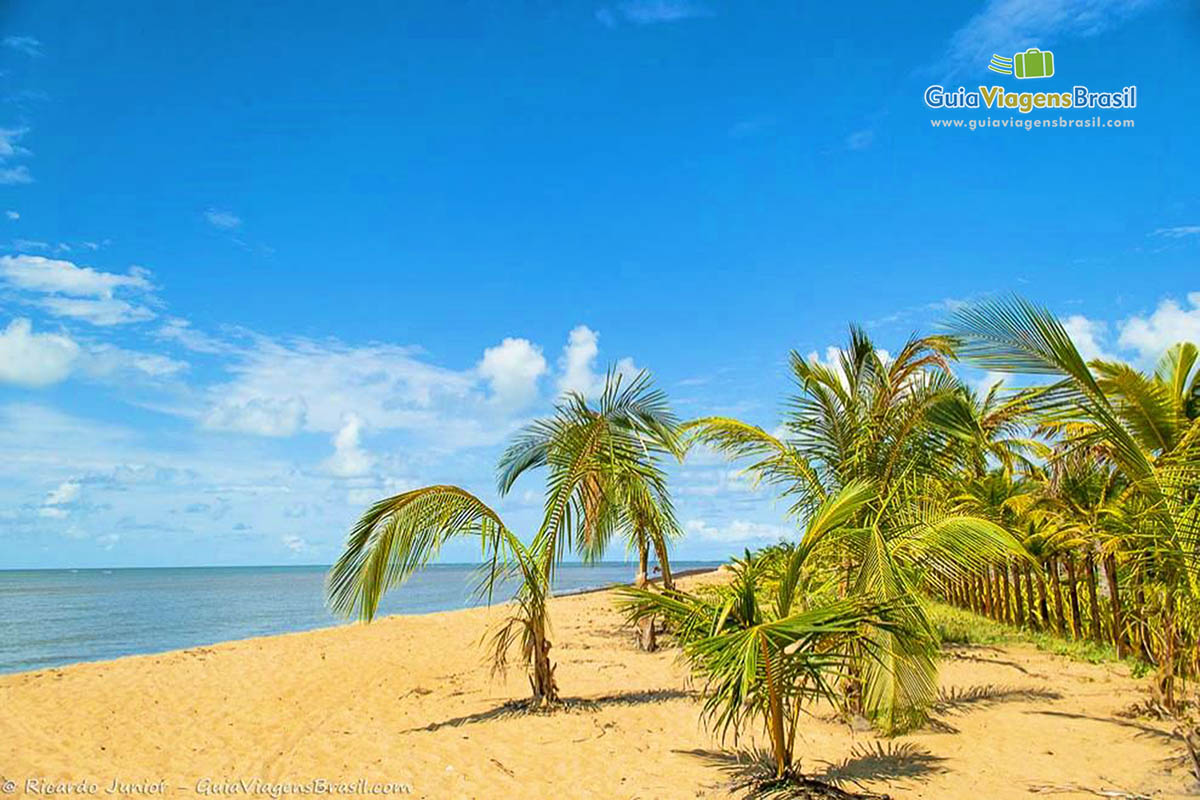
(905, 483)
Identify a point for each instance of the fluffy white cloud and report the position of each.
(1087, 335)
(512, 369)
(35, 359)
(738, 531)
(280, 387)
(54, 506)
(13, 215)
(349, 459)
(583, 344)
(1169, 323)
(78, 292)
(577, 364)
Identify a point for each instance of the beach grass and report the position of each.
(957, 626)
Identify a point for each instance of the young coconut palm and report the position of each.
(867, 418)
(605, 474)
(401, 534)
(762, 647)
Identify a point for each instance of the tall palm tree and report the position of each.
(604, 477)
(870, 418)
(605, 474)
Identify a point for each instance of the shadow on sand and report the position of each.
(753, 771)
(1141, 728)
(521, 708)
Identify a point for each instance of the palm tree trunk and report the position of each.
(643, 573)
(775, 712)
(1073, 592)
(1009, 616)
(985, 590)
(1139, 614)
(1043, 606)
(997, 595)
(1166, 663)
(1056, 586)
(1089, 574)
(647, 639)
(1033, 619)
(545, 690)
(664, 563)
(1016, 576)
(1114, 600)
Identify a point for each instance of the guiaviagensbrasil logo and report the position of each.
(1029, 64)
(1033, 63)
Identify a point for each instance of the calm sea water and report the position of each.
(54, 617)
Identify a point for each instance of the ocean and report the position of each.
(53, 617)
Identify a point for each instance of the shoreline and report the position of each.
(411, 699)
(336, 624)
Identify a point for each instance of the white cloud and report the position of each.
(182, 332)
(10, 149)
(512, 369)
(649, 12)
(1009, 26)
(296, 544)
(1179, 231)
(106, 360)
(1169, 323)
(54, 506)
(737, 532)
(40, 274)
(577, 363)
(78, 292)
(12, 176)
(262, 416)
(13, 215)
(24, 44)
(35, 359)
(583, 344)
(349, 459)
(1087, 335)
(103, 312)
(833, 358)
(302, 383)
(225, 220)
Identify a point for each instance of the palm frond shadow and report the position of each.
(961, 653)
(960, 700)
(1141, 728)
(752, 774)
(521, 708)
(880, 761)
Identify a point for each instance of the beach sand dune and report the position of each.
(409, 700)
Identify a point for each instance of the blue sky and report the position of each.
(261, 264)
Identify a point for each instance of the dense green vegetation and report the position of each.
(1067, 510)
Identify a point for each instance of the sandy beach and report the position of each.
(409, 701)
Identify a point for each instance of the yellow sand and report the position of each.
(409, 700)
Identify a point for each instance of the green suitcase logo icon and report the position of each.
(1033, 63)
